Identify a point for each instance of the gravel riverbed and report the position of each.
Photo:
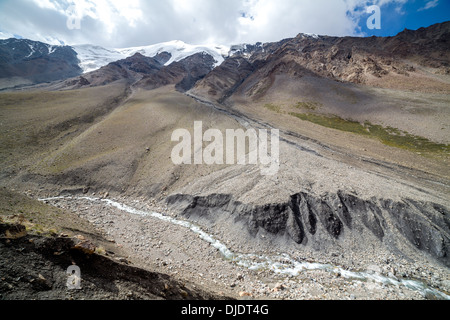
(163, 246)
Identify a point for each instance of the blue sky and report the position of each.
(410, 15)
(119, 23)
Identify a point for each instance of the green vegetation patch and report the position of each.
(273, 107)
(37, 217)
(389, 136)
(309, 105)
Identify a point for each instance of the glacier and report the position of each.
(94, 57)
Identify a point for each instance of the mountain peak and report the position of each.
(94, 57)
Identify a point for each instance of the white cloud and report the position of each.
(429, 5)
(119, 23)
(48, 4)
(6, 35)
(271, 20)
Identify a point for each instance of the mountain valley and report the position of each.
(363, 179)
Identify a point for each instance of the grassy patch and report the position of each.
(389, 136)
(38, 218)
(309, 105)
(401, 139)
(333, 122)
(273, 107)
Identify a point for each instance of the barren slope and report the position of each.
(363, 170)
(127, 151)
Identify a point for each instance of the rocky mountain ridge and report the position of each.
(373, 61)
(349, 59)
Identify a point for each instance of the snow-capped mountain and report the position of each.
(245, 49)
(31, 62)
(25, 61)
(94, 57)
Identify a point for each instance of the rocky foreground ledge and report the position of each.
(34, 267)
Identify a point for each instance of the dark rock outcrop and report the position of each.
(305, 218)
(148, 72)
(184, 73)
(103, 277)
